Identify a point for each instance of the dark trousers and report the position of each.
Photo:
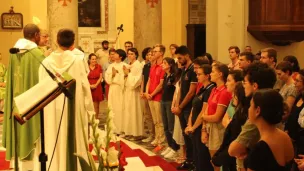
(168, 122)
(183, 118)
(103, 86)
(201, 155)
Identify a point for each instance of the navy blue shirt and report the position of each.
(168, 87)
(188, 76)
(145, 73)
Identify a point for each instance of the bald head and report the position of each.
(31, 32)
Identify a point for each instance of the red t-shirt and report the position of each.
(156, 74)
(218, 96)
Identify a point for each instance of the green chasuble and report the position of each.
(22, 74)
(2, 80)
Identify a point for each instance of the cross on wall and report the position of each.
(152, 3)
(64, 2)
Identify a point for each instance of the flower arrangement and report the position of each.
(107, 153)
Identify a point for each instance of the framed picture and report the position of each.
(93, 20)
(89, 13)
(12, 20)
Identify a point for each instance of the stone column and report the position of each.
(225, 26)
(147, 23)
(62, 14)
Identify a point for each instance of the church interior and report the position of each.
(202, 26)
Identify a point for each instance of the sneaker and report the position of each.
(157, 148)
(166, 151)
(149, 139)
(170, 154)
(154, 142)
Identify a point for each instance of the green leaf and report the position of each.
(83, 163)
(100, 167)
(92, 162)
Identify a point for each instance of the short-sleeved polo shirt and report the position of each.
(218, 96)
(188, 77)
(156, 74)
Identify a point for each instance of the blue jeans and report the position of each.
(183, 118)
(168, 122)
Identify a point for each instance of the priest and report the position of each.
(75, 111)
(22, 74)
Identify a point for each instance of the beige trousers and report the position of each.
(148, 121)
(157, 120)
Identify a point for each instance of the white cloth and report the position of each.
(25, 44)
(177, 132)
(81, 56)
(66, 61)
(115, 97)
(133, 113)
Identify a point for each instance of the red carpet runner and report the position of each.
(128, 152)
(148, 160)
(4, 165)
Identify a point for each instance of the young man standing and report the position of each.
(154, 93)
(128, 45)
(103, 53)
(71, 141)
(234, 52)
(187, 92)
(148, 120)
(103, 58)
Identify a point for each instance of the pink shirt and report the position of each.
(218, 96)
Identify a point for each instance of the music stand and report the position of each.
(34, 110)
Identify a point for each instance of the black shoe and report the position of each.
(186, 165)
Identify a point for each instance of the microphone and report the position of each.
(61, 86)
(14, 50)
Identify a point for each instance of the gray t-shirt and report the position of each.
(288, 90)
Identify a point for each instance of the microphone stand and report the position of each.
(42, 156)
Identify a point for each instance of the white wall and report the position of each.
(227, 25)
